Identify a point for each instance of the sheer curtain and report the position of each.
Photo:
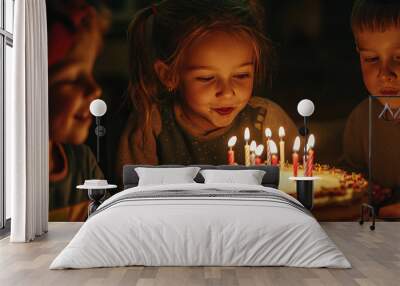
(27, 124)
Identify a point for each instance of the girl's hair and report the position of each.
(68, 22)
(165, 30)
(375, 15)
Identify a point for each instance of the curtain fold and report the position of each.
(27, 124)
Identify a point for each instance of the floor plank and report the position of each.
(374, 255)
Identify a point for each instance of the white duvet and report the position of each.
(185, 231)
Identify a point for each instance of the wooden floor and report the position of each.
(374, 255)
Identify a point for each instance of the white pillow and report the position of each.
(163, 176)
(248, 177)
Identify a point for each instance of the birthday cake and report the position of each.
(335, 186)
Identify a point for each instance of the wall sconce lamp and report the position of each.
(305, 108)
(98, 108)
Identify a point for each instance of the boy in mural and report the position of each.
(376, 28)
(194, 68)
(74, 38)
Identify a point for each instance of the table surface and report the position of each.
(304, 178)
(86, 187)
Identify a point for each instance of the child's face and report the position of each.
(71, 89)
(380, 62)
(217, 78)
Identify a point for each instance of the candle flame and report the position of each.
(232, 141)
(268, 133)
(296, 144)
(247, 134)
(310, 142)
(281, 132)
(253, 146)
(272, 147)
(259, 149)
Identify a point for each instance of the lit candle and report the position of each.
(310, 156)
(247, 147)
(253, 146)
(268, 134)
(231, 153)
(295, 155)
(281, 146)
(259, 150)
(274, 152)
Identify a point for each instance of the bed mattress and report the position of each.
(201, 225)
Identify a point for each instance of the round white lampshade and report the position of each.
(305, 107)
(98, 107)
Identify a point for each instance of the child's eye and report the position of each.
(67, 82)
(205, 78)
(242, 75)
(371, 59)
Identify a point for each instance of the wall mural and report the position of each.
(218, 82)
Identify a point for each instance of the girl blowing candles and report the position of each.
(193, 68)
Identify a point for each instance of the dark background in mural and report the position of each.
(316, 59)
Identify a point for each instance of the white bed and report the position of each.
(225, 225)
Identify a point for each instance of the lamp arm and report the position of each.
(98, 139)
(305, 145)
